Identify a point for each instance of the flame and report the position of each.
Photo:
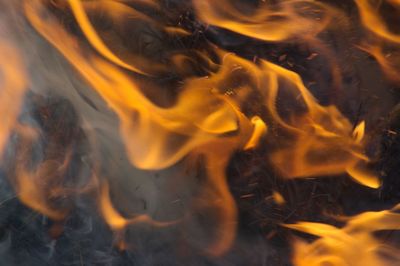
(388, 61)
(141, 119)
(115, 220)
(44, 187)
(278, 198)
(353, 244)
(207, 120)
(373, 21)
(13, 85)
(321, 140)
(260, 129)
(359, 132)
(383, 45)
(115, 8)
(156, 137)
(33, 189)
(283, 21)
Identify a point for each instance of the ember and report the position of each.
(172, 132)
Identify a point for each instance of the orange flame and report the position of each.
(389, 62)
(157, 137)
(354, 244)
(33, 189)
(13, 84)
(283, 21)
(115, 220)
(117, 9)
(382, 36)
(373, 21)
(206, 119)
(278, 198)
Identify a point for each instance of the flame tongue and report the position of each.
(13, 86)
(204, 120)
(336, 245)
(210, 118)
(269, 23)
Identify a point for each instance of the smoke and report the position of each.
(66, 116)
(65, 124)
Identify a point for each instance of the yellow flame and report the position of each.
(146, 128)
(359, 131)
(260, 129)
(354, 244)
(373, 21)
(207, 118)
(285, 20)
(321, 140)
(156, 137)
(91, 34)
(382, 36)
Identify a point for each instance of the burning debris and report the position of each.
(171, 132)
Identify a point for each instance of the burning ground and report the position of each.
(144, 132)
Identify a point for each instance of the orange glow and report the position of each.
(278, 198)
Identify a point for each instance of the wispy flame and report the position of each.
(208, 120)
(321, 141)
(353, 244)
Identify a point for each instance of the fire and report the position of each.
(149, 130)
(353, 244)
(382, 45)
(156, 137)
(208, 119)
(269, 22)
(374, 22)
(260, 130)
(387, 60)
(278, 198)
(13, 87)
(116, 220)
(115, 9)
